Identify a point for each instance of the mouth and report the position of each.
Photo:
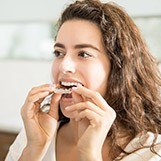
(66, 88)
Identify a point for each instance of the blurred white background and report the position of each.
(26, 39)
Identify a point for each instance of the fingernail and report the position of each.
(67, 108)
(74, 88)
(52, 87)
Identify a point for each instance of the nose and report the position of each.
(67, 65)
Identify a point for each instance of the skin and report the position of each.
(91, 70)
(90, 115)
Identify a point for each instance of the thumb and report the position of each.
(54, 106)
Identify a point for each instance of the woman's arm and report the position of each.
(33, 153)
(95, 118)
(40, 127)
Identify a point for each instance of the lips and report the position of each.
(69, 82)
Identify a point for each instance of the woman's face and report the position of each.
(80, 57)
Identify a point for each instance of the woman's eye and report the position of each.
(57, 53)
(84, 54)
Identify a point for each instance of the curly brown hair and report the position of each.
(135, 80)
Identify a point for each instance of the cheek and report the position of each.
(96, 77)
(55, 70)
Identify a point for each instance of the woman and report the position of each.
(114, 110)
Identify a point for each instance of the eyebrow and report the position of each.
(78, 46)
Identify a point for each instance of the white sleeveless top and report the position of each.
(144, 154)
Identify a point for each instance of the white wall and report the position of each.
(30, 10)
(48, 10)
(16, 79)
(141, 7)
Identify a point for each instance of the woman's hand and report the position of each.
(40, 127)
(95, 118)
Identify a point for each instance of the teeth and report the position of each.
(69, 83)
(63, 91)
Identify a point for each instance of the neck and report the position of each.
(69, 132)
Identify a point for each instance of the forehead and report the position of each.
(79, 31)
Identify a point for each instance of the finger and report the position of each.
(30, 103)
(95, 96)
(46, 87)
(93, 118)
(35, 100)
(54, 106)
(85, 105)
(36, 97)
(76, 97)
